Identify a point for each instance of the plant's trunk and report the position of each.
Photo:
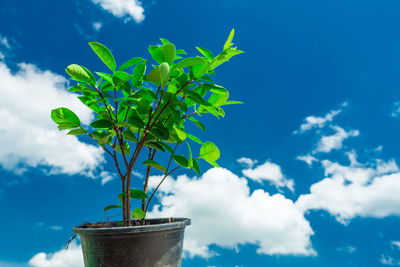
(128, 197)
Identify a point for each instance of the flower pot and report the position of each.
(159, 243)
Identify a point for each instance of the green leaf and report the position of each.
(104, 54)
(77, 132)
(101, 124)
(198, 123)
(167, 147)
(181, 52)
(194, 138)
(92, 78)
(137, 76)
(66, 126)
(128, 135)
(106, 76)
(120, 77)
(190, 160)
(125, 147)
(223, 57)
(196, 167)
(207, 53)
(181, 160)
(200, 70)
(209, 152)
(78, 73)
(65, 116)
(160, 75)
(218, 99)
(197, 98)
(131, 62)
(165, 53)
(160, 132)
(138, 213)
(138, 194)
(136, 121)
(214, 88)
(154, 164)
(155, 145)
(190, 61)
(81, 88)
(228, 42)
(113, 207)
(181, 134)
(232, 102)
(103, 140)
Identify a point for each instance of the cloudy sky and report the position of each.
(310, 162)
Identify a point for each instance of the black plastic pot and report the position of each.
(158, 244)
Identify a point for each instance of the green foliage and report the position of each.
(138, 214)
(104, 54)
(147, 104)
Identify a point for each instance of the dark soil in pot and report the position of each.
(157, 243)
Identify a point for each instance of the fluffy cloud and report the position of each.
(328, 143)
(4, 42)
(318, 122)
(63, 258)
(97, 26)
(130, 9)
(225, 213)
(28, 137)
(307, 159)
(248, 162)
(365, 190)
(268, 171)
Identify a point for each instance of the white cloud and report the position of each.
(2, 56)
(396, 244)
(396, 109)
(248, 162)
(348, 249)
(106, 177)
(318, 122)
(328, 143)
(28, 136)
(307, 159)
(97, 26)
(56, 227)
(63, 258)
(130, 9)
(225, 213)
(4, 42)
(365, 190)
(271, 172)
(388, 260)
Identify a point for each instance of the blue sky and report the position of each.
(309, 173)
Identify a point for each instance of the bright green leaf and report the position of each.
(137, 76)
(228, 42)
(194, 138)
(198, 123)
(64, 115)
(138, 213)
(209, 152)
(196, 167)
(77, 132)
(78, 73)
(104, 54)
(131, 62)
(190, 61)
(207, 53)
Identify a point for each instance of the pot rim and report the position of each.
(162, 225)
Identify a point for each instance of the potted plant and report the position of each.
(139, 112)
